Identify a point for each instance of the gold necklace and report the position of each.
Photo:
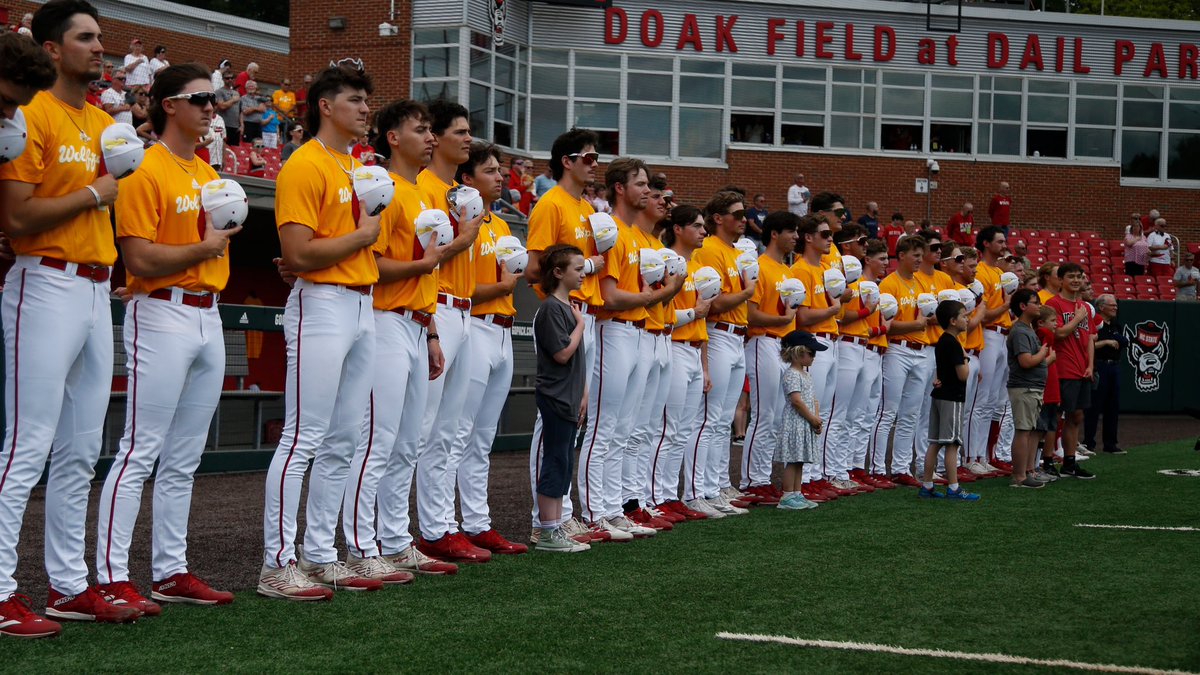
(83, 136)
(349, 172)
(175, 158)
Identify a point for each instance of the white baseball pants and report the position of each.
(490, 378)
(58, 357)
(443, 410)
(992, 394)
(648, 432)
(866, 410)
(1004, 441)
(330, 334)
(921, 432)
(852, 392)
(375, 514)
(824, 378)
(682, 416)
(971, 397)
(905, 373)
(764, 367)
(175, 356)
(727, 370)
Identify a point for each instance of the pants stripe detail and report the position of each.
(295, 432)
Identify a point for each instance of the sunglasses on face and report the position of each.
(862, 241)
(956, 259)
(934, 248)
(121, 79)
(740, 214)
(837, 212)
(825, 234)
(198, 98)
(588, 158)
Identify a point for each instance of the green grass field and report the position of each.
(1010, 574)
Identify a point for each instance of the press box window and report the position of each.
(751, 128)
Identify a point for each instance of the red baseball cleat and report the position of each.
(766, 495)
(90, 605)
(906, 480)
(453, 547)
(496, 543)
(881, 481)
(190, 589)
(682, 509)
(18, 620)
(124, 593)
(812, 494)
(965, 476)
(665, 514)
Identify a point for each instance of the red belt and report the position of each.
(826, 334)
(422, 318)
(998, 329)
(498, 319)
(691, 343)
(201, 300)
(640, 323)
(583, 307)
(876, 348)
(863, 342)
(917, 346)
(739, 331)
(453, 301)
(96, 273)
(364, 290)
(660, 331)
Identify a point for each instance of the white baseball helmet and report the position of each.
(746, 244)
(123, 150)
(676, 265)
(708, 282)
(888, 307)
(465, 203)
(13, 136)
(927, 303)
(1009, 282)
(976, 288)
(852, 267)
(511, 253)
(604, 231)
(967, 298)
(374, 189)
(868, 293)
(747, 264)
(947, 295)
(835, 282)
(224, 201)
(792, 292)
(433, 225)
(652, 266)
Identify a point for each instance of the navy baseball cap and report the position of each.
(799, 338)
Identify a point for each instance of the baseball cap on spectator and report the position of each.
(799, 338)
(224, 63)
(135, 41)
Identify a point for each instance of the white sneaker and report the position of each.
(845, 484)
(704, 507)
(576, 531)
(977, 468)
(638, 531)
(336, 576)
(614, 532)
(378, 567)
(557, 541)
(721, 504)
(731, 493)
(1082, 457)
(413, 560)
(289, 583)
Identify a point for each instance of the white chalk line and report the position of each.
(1138, 527)
(943, 654)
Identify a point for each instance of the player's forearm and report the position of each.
(317, 254)
(489, 292)
(617, 300)
(148, 260)
(906, 327)
(395, 270)
(757, 317)
(728, 301)
(41, 214)
(806, 316)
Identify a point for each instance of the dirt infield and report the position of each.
(226, 525)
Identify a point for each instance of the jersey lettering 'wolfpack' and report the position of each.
(78, 154)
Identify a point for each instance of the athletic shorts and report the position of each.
(1026, 407)
(945, 422)
(1048, 420)
(1075, 395)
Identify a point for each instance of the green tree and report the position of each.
(270, 11)
(1145, 9)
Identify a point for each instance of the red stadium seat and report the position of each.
(1194, 248)
(1147, 293)
(1123, 279)
(1116, 246)
(1017, 241)
(1144, 280)
(1090, 236)
(1031, 233)
(1101, 278)
(1103, 288)
(1073, 235)
(1167, 293)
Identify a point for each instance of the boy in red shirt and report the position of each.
(892, 232)
(1074, 345)
(1048, 421)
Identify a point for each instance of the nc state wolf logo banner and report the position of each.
(1149, 349)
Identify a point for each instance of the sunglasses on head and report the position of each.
(740, 214)
(196, 98)
(588, 158)
(357, 64)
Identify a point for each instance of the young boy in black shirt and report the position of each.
(949, 393)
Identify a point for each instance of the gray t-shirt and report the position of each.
(232, 115)
(1022, 339)
(1186, 274)
(562, 384)
(250, 101)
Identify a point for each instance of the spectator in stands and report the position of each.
(1148, 220)
(1020, 252)
(1106, 396)
(1048, 282)
(246, 76)
(755, 216)
(108, 71)
(229, 107)
(363, 151)
(115, 100)
(295, 140)
(270, 128)
(870, 220)
(1029, 280)
(139, 108)
(1137, 250)
(596, 199)
(137, 66)
(95, 89)
(26, 27)
(253, 106)
(158, 62)
(961, 226)
(892, 232)
(1186, 278)
(284, 101)
(1000, 208)
(543, 183)
(257, 163)
(222, 74)
(799, 196)
(1161, 246)
(302, 98)
(216, 148)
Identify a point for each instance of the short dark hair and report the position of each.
(779, 221)
(734, 188)
(929, 235)
(331, 82)
(1022, 296)
(682, 215)
(912, 241)
(1069, 268)
(822, 201)
(657, 182)
(620, 171)
(898, 216)
(168, 82)
(809, 224)
(947, 310)
(480, 151)
(159, 49)
(875, 247)
(986, 236)
(442, 114)
(721, 202)
(555, 258)
(390, 117)
(51, 20)
(25, 63)
(569, 143)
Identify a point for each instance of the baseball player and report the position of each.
(689, 373)
(375, 511)
(865, 408)
(25, 69)
(818, 315)
(440, 537)
(621, 367)
(993, 361)
(726, 329)
(907, 364)
(174, 345)
(649, 433)
(964, 276)
(933, 281)
(561, 217)
(490, 375)
(330, 332)
(769, 320)
(54, 208)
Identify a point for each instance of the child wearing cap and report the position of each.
(801, 419)
(946, 411)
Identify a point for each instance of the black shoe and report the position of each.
(1114, 451)
(1052, 469)
(1076, 471)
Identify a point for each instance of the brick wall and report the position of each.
(181, 47)
(388, 59)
